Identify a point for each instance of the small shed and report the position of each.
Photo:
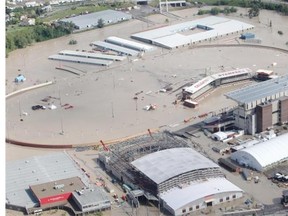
(219, 136)
(228, 164)
(247, 174)
(247, 35)
(20, 78)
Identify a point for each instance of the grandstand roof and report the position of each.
(172, 36)
(263, 154)
(37, 170)
(232, 73)
(260, 90)
(177, 198)
(163, 165)
(207, 80)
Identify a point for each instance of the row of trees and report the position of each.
(41, 32)
(254, 5)
(216, 10)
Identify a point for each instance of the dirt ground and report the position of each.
(102, 99)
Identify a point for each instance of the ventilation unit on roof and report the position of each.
(59, 186)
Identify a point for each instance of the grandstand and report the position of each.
(199, 88)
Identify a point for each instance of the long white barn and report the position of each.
(187, 33)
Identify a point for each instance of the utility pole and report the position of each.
(61, 120)
(112, 109)
(20, 113)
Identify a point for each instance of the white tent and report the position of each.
(264, 154)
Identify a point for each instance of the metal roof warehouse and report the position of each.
(92, 55)
(113, 47)
(175, 36)
(129, 44)
(259, 92)
(37, 170)
(80, 60)
(91, 20)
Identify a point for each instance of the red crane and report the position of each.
(104, 146)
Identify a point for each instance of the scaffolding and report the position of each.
(122, 154)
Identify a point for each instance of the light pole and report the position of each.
(61, 120)
(112, 109)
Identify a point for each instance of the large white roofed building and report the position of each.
(90, 20)
(199, 195)
(163, 165)
(186, 180)
(182, 34)
(166, 170)
(263, 155)
(261, 105)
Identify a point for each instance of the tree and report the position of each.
(100, 23)
(215, 11)
(254, 11)
(20, 42)
(255, 8)
(72, 42)
(8, 10)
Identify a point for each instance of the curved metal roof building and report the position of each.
(264, 154)
(163, 165)
(186, 180)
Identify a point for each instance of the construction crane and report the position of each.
(104, 146)
(150, 133)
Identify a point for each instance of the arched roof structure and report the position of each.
(163, 165)
(263, 154)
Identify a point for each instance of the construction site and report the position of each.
(174, 168)
(163, 168)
